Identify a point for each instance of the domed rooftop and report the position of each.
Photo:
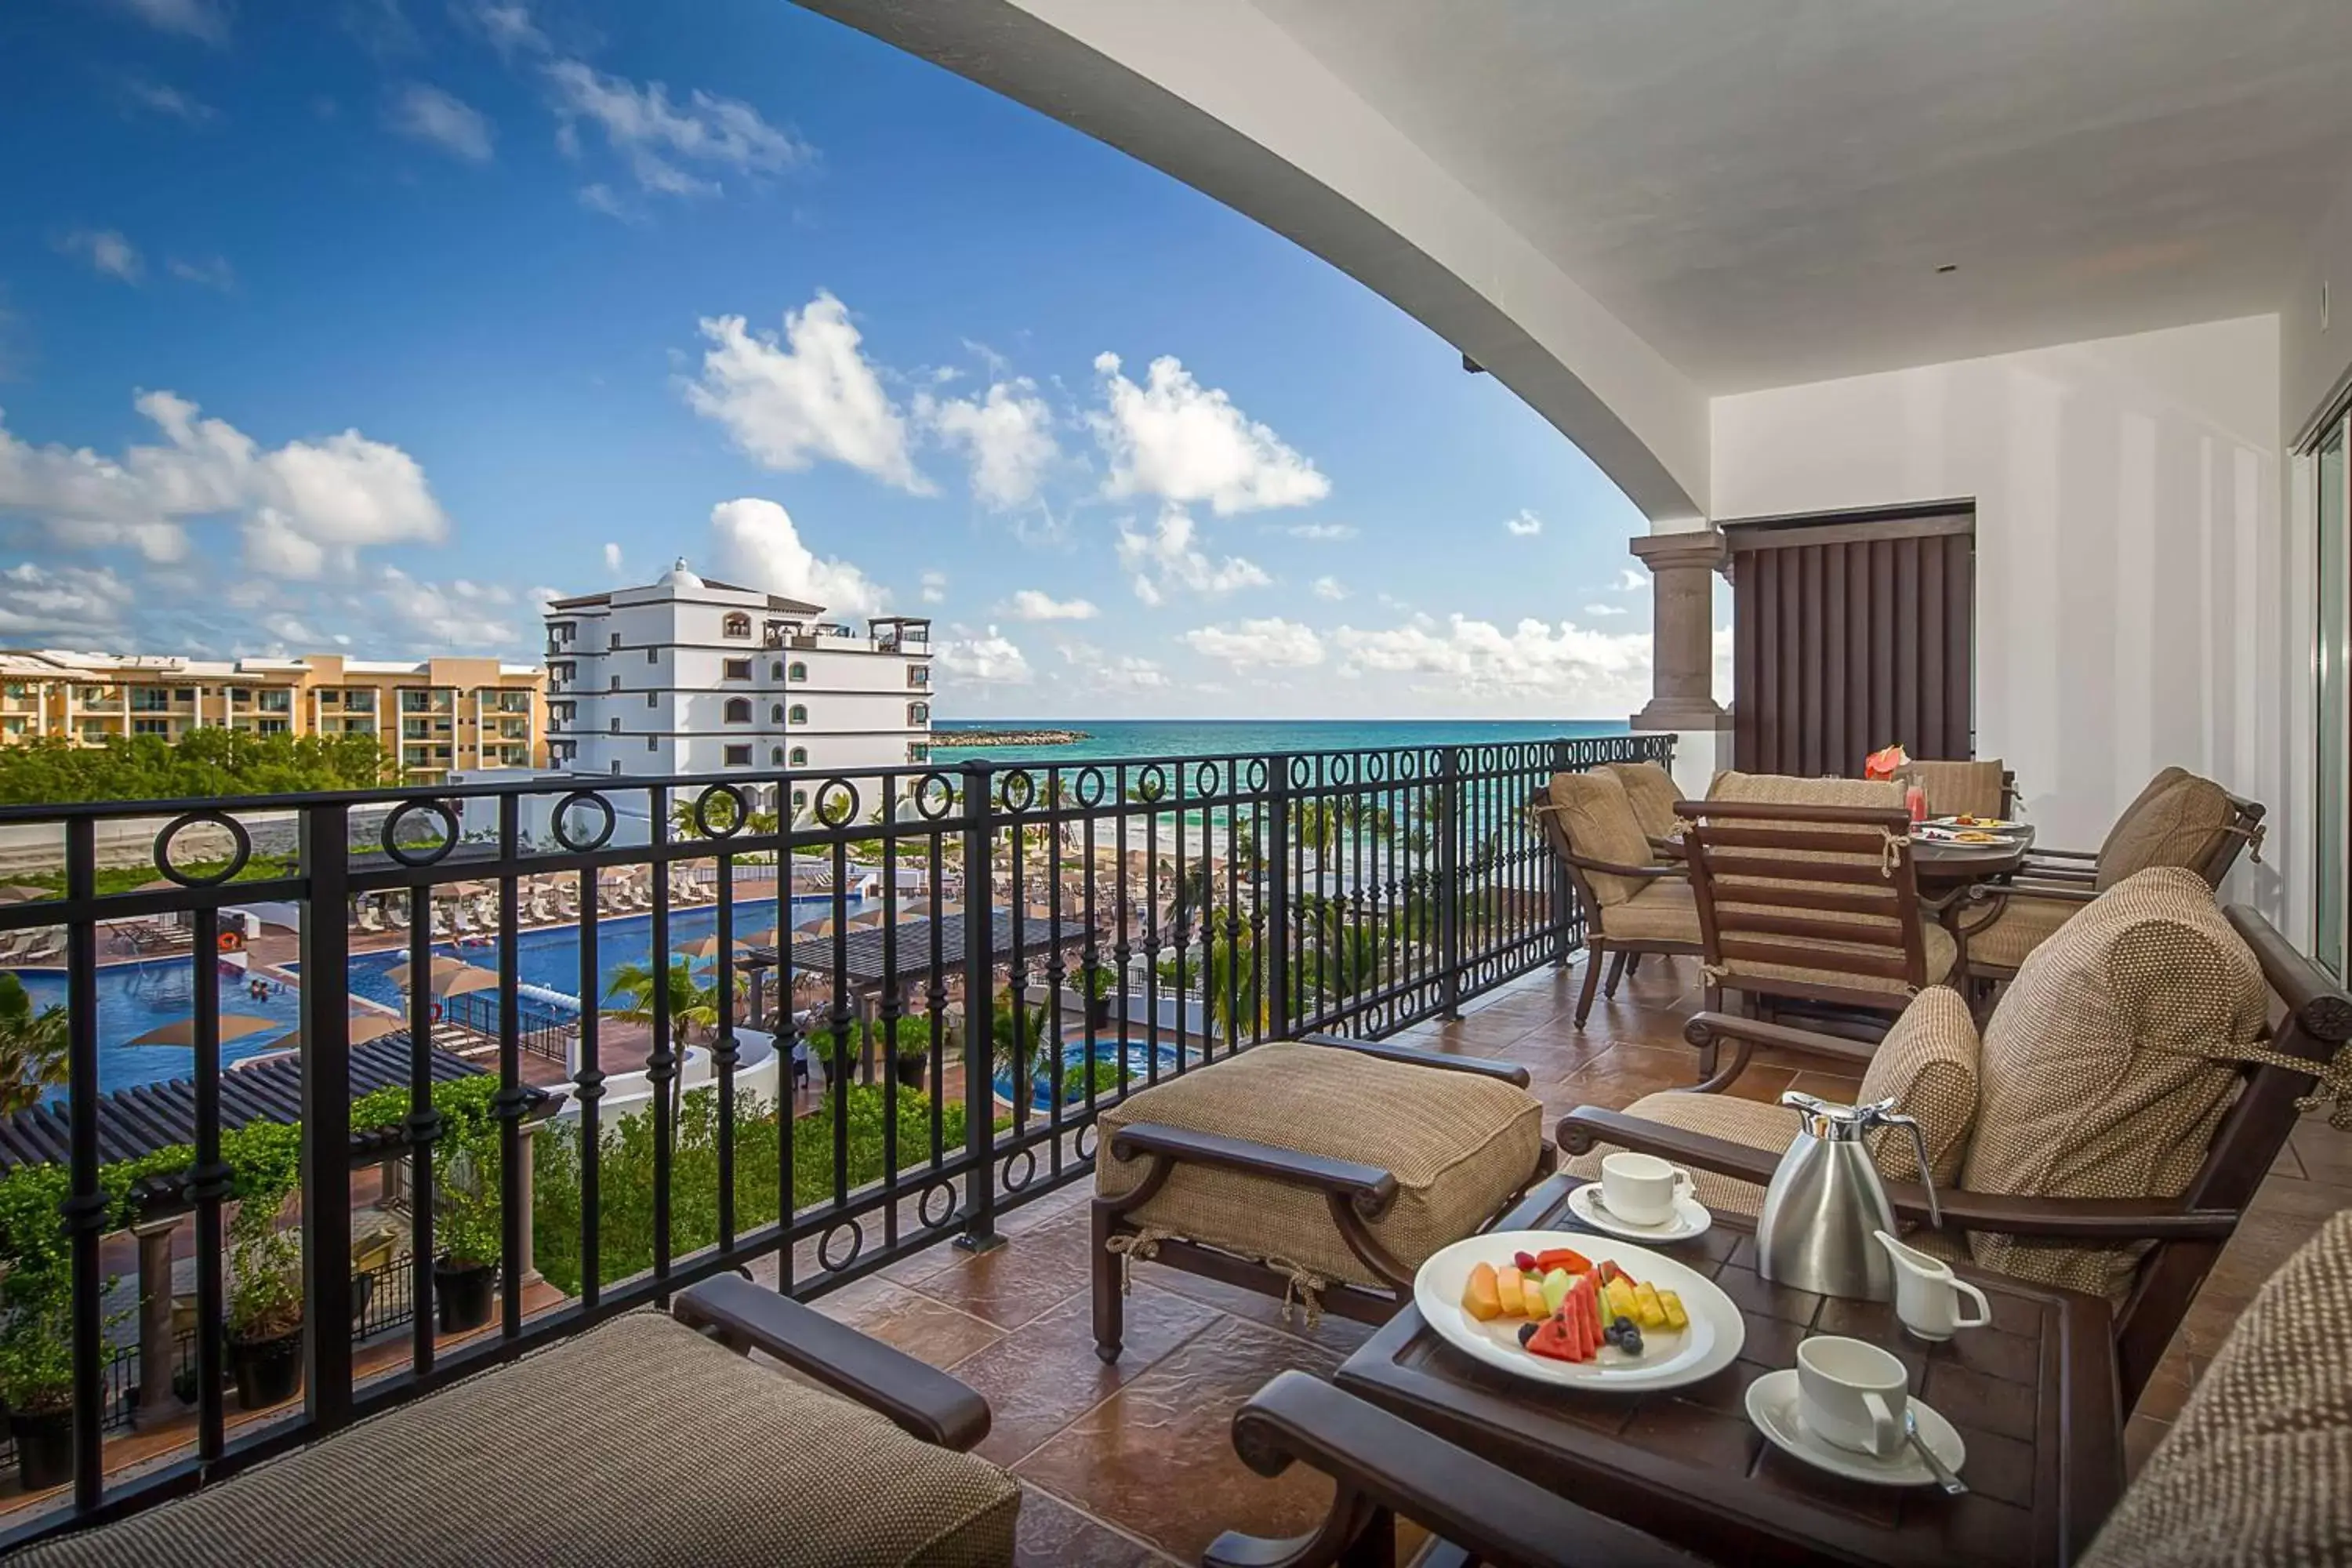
(677, 576)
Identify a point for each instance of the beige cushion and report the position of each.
(1652, 791)
(1663, 911)
(639, 1441)
(1928, 1066)
(1758, 1125)
(2098, 1077)
(2021, 925)
(2180, 825)
(1936, 946)
(2258, 1469)
(1459, 1145)
(1784, 789)
(1593, 811)
(1960, 789)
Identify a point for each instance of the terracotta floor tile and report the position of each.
(2141, 1435)
(1157, 1458)
(1042, 1376)
(1336, 1334)
(1625, 1073)
(1030, 1274)
(2325, 1153)
(1053, 1534)
(924, 1327)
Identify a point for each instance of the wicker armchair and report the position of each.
(1632, 902)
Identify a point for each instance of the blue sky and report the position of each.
(361, 324)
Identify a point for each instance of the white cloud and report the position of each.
(1007, 436)
(1605, 609)
(651, 133)
(1030, 604)
(1601, 671)
(991, 660)
(935, 587)
(598, 197)
(429, 616)
(810, 395)
(302, 507)
(1331, 588)
(1120, 672)
(159, 99)
(1630, 581)
(1271, 643)
(61, 604)
(1527, 525)
(1322, 532)
(215, 274)
(1169, 558)
(509, 29)
(612, 558)
(425, 113)
(106, 250)
(1172, 438)
(203, 19)
(758, 546)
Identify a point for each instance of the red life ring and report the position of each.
(437, 1011)
(231, 941)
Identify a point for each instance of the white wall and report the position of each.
(2136, 604)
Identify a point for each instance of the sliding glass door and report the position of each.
(2333, 648)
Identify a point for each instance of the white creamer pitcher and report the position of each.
(1927, 1293)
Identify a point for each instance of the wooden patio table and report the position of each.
(2034, 1396)
(1943, 868)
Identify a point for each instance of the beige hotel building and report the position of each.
(434, 714)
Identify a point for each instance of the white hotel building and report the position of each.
(688, 675)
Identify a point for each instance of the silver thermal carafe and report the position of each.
(1826, 1203)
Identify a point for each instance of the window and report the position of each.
(775, 756)
(739, 756)
(800, 756)
(616, 765)
(917, 753)
(273, 726)
(617, 727)
(184, 696)
(776, 714)
(800, 801)
(737, 626)
(739, 710)
(776, 670)
(737, 669)
(617, 684)
(918, 715)
(615, 642)
(652, 700)
(919, 675)
(559, 631)
(799, 670)
(653, 656)
(799, 714)
(652, 744)
(150, 726)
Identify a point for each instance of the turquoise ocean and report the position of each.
(1119, 738)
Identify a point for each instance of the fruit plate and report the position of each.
(1670, 1357)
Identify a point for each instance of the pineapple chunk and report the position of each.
(1654, 1312)
(1676, 1317)
(1619, 1302)
(1510, 1293)
(1478, 1297)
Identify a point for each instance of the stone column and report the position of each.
(157, 1403)
(1682, 693)
(529, 1262)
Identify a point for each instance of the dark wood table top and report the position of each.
(2034, 1396)
(1939, 862)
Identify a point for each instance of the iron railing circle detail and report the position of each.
(1151, 783)
(433, 857)
(701, 812)
(1375, 768)
(1205, 780)
(945, 1189)
(1408, 766)
(1028, 1158)
(822, 803)
(824, 1245)
(1256, 775)
(1022, 781)
(924, 798)
(1083, 1145)
(238, 837)
(563, 807)
(1302, 772)
(1090, 788)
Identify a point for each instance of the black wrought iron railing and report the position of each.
(811, 1046)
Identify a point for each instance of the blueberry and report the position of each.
(1629, 1341)
(1527, 1332)
(1623, 1323)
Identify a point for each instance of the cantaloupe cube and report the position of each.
(1536, 1306)
(1510, 1292)
(1478, 1297)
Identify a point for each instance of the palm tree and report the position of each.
(32, 1046)
(1230, 973)
(1019, 1033)
(691, 1006)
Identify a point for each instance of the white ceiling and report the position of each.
(1763, 189)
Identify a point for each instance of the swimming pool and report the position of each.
(133, 998)
(1138, 1055)
(549, 957)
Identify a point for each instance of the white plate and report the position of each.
(1983, 823)
(1772, 1404)
(1691, 1219)
(1669, 1358)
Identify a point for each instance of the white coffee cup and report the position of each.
(1641, 1189)
(1927, 1293)
(1851, 1394)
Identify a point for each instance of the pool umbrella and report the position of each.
(18, 893)
(365, 1027)
(450, 977)
(182, 1031)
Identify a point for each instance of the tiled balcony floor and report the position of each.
(1133, 1464)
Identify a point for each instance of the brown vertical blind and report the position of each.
(1849, 634)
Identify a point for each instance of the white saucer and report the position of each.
(1691, 1217)
(1772, 1406)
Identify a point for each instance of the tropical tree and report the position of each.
(1231, 975)
(32, 1046)
(1020, 1033)
(691, 1006)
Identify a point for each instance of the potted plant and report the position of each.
(1101, 982)
(910, 1050)
(466, 1222)
(265, 1302)
(838, 1051)
(36, 1375)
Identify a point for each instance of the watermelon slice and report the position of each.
(1552, 1340)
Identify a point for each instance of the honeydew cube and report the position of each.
(1555, 1286)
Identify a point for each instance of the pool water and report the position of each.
(1138, 1052)
(133, 998)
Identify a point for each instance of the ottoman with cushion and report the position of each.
(1322, 1170)
(2125, 1102)
(1633, 902)
(640, 1441)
